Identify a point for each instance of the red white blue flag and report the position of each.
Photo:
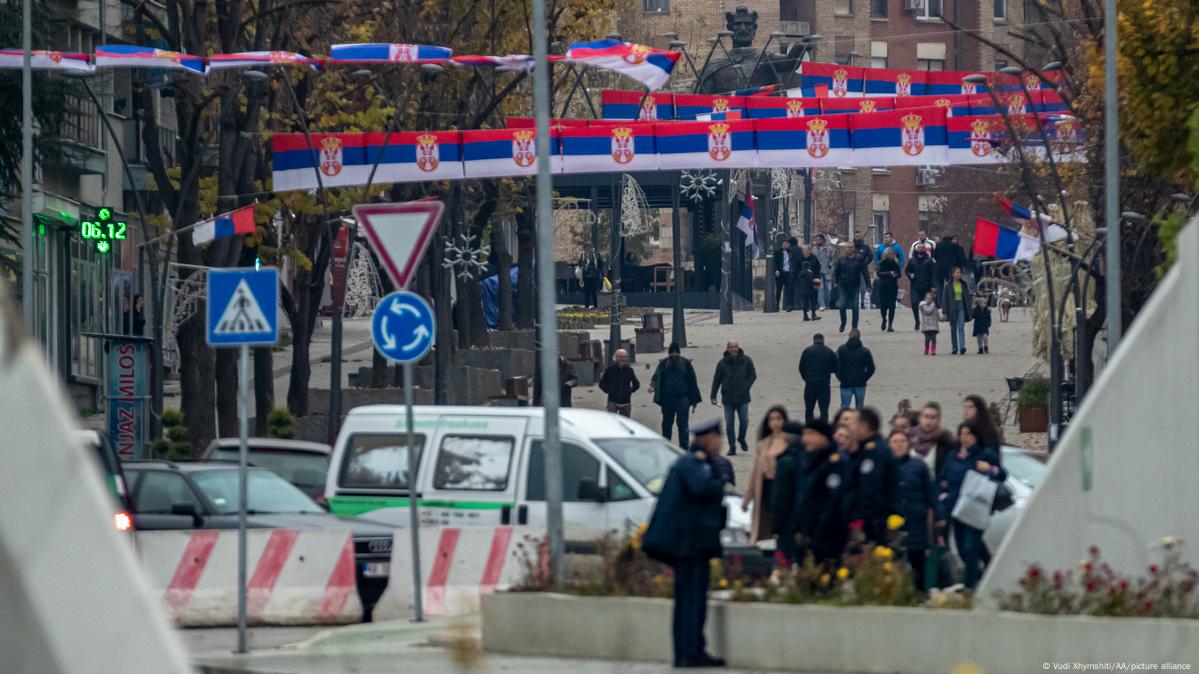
(691, 106)
(841, 81)
(977, 139)
(800, 142)
(899, 138)
(253, 59)
(492, 153)
(1033, 220)
(993, 240)
(762, 107)
(746, 222)
(45, 60)
(639, 105)
(891, 82)
(346, 159)
(693, 145)
(833, 106)
(234, 223)
(382, 52)
(511, 62)
(651, 67)
(132, 56)
(609, 148)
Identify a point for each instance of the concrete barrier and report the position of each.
(293, 577)
(795, 637)
(458, 567)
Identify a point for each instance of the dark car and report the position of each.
(304, 464)
(97, 443)
(173, 496)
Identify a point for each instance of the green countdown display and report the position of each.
(103, 230)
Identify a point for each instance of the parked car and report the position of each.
(174, 496)
(303, 464)
(485, 466)
(98, 445)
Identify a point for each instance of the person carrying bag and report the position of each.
(964, 498)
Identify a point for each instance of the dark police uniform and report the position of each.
(873, 488)
(818, 514)
(684, 532)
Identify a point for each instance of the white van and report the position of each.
(485, 466)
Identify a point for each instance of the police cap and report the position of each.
(793, 428)
(705, 427)
(821, 426)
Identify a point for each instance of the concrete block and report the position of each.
(510, 362)
(568, 342)
(584, 370)
(513, 339)
(650, 341)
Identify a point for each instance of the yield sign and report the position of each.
(399, 234)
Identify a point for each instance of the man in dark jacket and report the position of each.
(807, 274)
(873, 479)
(676, 391)
(684, 532)
(620, 382)
(736, 375)
(850, 271)
(915, 500)
(591, 267)
(922, 275)
(948, 254)
(783, 273)
(567, 380)
(855, 367)
(807, 494)
(817, 364)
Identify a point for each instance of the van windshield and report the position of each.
(647, 459)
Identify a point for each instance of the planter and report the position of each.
(1033, 418)
(833, 639)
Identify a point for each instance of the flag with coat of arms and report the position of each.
(747, 220)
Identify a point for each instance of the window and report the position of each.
(577, 465)
(878, 9)
(267, 492)
(473, 463)
(878, 61)
(932, 10)
(843, 7)
(1001, 9)
(930, 64)
(928, 214)
(878, 226)
(378, 461)
(647, 460)
(158, 491)
(657, 6)
(87, 290)
(306, 470)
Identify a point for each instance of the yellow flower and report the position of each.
(724, 582)
(894, 522)
(659, 578)
(738, 585)
(883, 552)
(967, 669)
(888, 567)
(824, 579)
(842, 573)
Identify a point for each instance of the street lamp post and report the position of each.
(27, 260)
(1111, 179)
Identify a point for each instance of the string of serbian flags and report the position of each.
(651, 67)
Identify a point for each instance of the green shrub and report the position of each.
(1034, 392)
(280, 424)
(174, 444)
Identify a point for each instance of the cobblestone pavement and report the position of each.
(775, 341)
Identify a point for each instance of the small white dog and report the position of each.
(1005, 303)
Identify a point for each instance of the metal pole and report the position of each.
(243, 422)
(1111, 179)
(27, 245)
(807, 205)
(413, 498)
(726, 253)
(545, 299)
(615, 262)
(678, 323)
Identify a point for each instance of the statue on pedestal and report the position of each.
(744, 66)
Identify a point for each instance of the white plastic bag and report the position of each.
(974, 501)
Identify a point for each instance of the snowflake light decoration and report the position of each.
(463, 256)
(363, 288)
(698, 185)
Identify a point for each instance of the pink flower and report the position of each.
(1153, 569)
(1148, 607)
(857, 525)
(1093, 550)
(1091, 585)
(1057, 578)
(1034, 572)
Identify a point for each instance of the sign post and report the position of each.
(403, 327)
(243, 311)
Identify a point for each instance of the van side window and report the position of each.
(473, 463)
(159, 490)
(377, 461)
(577, 464)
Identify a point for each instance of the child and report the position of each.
(929, 323)
(982, 323)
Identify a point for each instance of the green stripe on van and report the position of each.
(356, 505)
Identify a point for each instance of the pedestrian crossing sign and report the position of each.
(243, 307)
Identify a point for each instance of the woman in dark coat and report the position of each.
(915, 503)
(887, 288)
(970, 456)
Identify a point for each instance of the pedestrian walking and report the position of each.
(915, 499)
(734, 377)
(783, 276)
(567, 380)
(975, 411)
(955, 302)
(922, 241)
(871, 494)
(930, 322)
(970, 456)
(772, 442)
(620, 382)
(850, 272)
(817, 364)
(855, 367)
(887, 287)
(807, 283)
(591, 270)
(825, 253)
(948, 254)
(675, 390)
(808, 496)
(684, 533)
(929, 441)
(982, 324)
(889, 243)
(921, 272)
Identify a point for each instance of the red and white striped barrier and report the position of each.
(458, 567)
(294, 577)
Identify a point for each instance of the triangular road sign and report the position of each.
(400, 234)
(242, 316)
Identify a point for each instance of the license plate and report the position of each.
(376, 569)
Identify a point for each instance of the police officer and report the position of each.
(873, 480)
(684, 532)
(785, 490)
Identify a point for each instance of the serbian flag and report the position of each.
(45, 60)
(799, 142)
(949, 82)
(807, 92)
(1001, 243)
(899, 138)
(617, 104)
(132, 56)
(693, 145)
(955, 104)
(251, 59)
(763, 107)
(496, 153)
(976, 139)
(832, 106)
(691, 106)
(651, 67)
(555, 123)
(382, 52)
(840, 80)
(234, 223)
(346, 159)
(1032, 220)
(892, 82)
(755, 91)
(511, 62)
(609, 148)
(718, 116)
(747, 224)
